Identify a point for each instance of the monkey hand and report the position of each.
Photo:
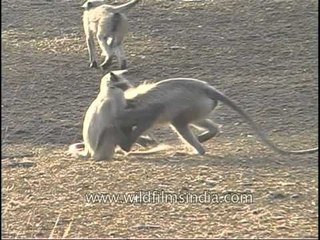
(125, 146)
(146, 141)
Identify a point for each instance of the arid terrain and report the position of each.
(262, 54)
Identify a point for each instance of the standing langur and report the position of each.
(109, 24)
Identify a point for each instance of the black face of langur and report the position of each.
(114, 81)
(119, 82)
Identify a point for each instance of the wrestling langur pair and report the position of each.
(180, 102)
(109, 25)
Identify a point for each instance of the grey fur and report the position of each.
(181, 102)
(100, 131)
(110, 25)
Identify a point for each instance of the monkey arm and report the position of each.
(124, 135)
(127, 120)
(140, 118)
(133, 114)
(131, 103)
(116, 134)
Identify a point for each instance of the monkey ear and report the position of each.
(113, 77)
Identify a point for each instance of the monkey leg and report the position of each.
(143, 141)
(140, 120)
(121, 57)
(136, 134)
(107, 51)
(211, 127)
(92, 52)
(125, 141)
(146, 140)
(184, 131)
(93, 64)
(106, 63)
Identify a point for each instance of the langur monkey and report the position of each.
(101, 134)
(100, 131)
(110, 25)
(181, 102)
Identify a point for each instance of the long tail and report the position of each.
(159, 148)
(124, 7)
(217, 95)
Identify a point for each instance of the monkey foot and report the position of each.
(106, 64)
(146, 141)
(93, 64)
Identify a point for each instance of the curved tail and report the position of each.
(159, 148)
(124, 7)
(217, 95)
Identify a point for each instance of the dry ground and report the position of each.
(263, 54)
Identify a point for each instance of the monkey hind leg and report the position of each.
(211, 127)
(106, 63)
(103, 156)
(93, 64)
(105, 151)
(121, 57)
(107, 50)
(184, 131)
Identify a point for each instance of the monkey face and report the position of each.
(115, 79)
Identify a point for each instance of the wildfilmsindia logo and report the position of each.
(161, 196)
